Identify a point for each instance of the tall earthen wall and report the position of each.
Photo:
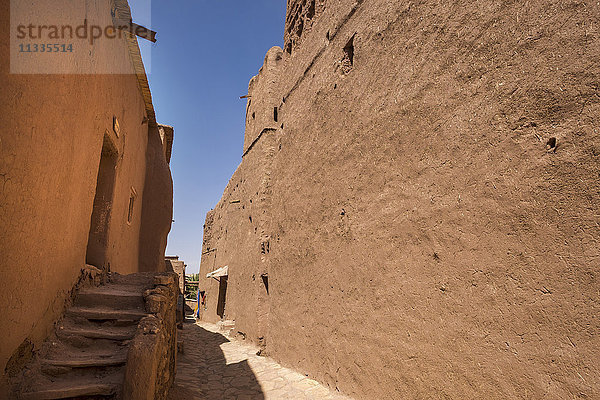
(53, 131)
(419, 239)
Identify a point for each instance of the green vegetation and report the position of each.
(191, 286)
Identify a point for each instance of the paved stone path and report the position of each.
(214, 367)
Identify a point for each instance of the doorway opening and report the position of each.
(265, 280)
(222, 296)
(99, 224)
(264, 310)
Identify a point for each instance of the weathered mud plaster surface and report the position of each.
(53, 129)
(418, 238)
(151, 358)
(157, 202)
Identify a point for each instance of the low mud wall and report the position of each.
(150, 370)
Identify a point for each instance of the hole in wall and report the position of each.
(311, 10)
(275, 114)
(349, 49)
(264, 247)
(348, 60)
(131, 207)
(265, 280)
(300, 28)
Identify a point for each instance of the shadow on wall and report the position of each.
(157, 206)
(203, 372)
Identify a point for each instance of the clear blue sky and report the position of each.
(206, 53)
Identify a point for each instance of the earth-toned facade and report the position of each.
(416, 210)
(84, 179)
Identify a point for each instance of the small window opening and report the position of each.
(311, 10)
(265, 279)
(253, 115)
(132, 197)
(264, 247)
(348, 60)
(275, 111)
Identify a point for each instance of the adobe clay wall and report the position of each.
(53, 130)
(157, 203)
(423, 243)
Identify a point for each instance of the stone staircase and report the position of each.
(86, 357)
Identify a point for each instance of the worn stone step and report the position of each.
(88, 362)
(103, 313)
(69, 389)
(113, 296)
(143, 280)
(113, 333)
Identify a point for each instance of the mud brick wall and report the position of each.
(419, 234)
(151, 359)
(55, 128)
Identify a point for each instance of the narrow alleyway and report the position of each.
(214, 367)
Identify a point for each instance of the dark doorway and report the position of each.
(105, 185)
(222, 296)
(265, 279)
(264, 310)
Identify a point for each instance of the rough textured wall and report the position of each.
(301, 15)
(173, 264)
(237, 232)
(157, 205)
(53, 129)
(423, 243)
(151, 358)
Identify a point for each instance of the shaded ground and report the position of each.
(213, 367)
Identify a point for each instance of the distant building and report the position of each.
(174, 264)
